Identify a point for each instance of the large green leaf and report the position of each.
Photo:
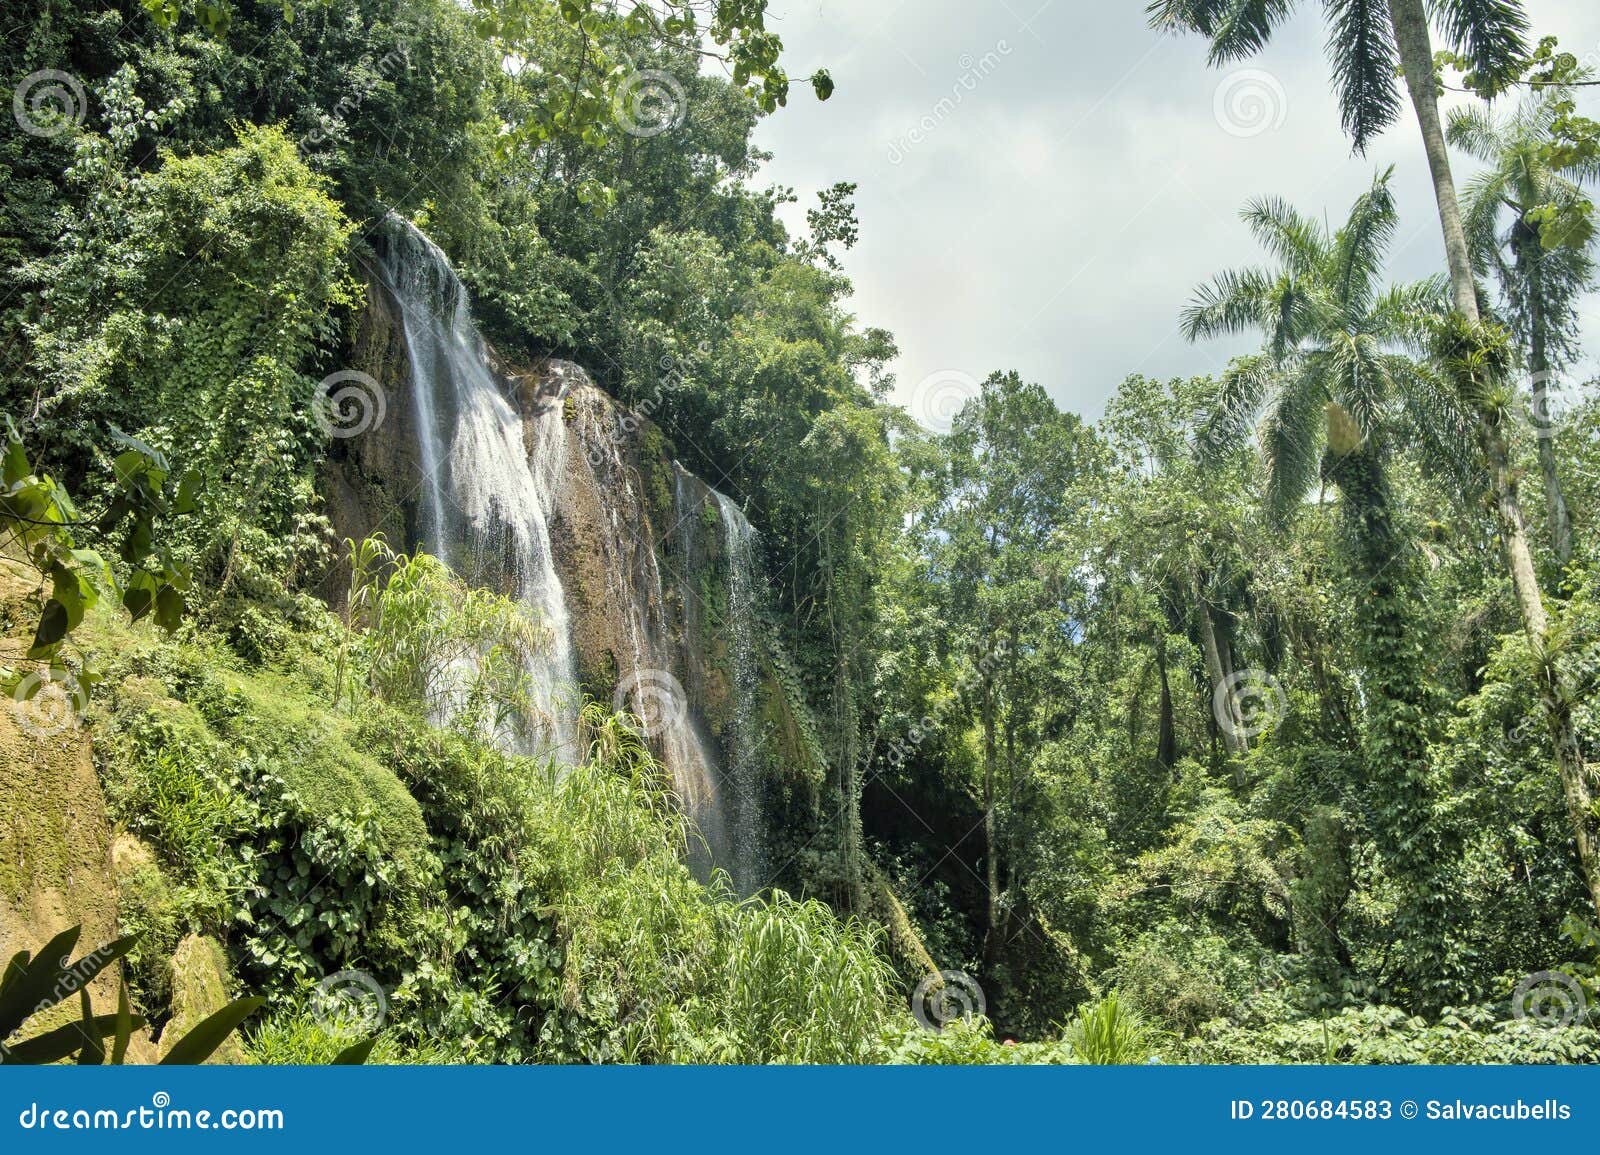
(356, 1054)
(93, 1052)
(199, 1044)
(33, 984)
(53, 1046)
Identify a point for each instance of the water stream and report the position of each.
(487, 502)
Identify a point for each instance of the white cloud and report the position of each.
(1056, 217)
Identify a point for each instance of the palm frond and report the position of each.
(1444, 433)
(1362, 54)
(1402, 313)
(1245, 386)
(1482, 199)
(1359, 247)
(1299, 242)
(1473, 130)
(1234, 301)
(1185, 15)
(1244, 26)
(1291, 443)
(1490, 33)
(1360, 380)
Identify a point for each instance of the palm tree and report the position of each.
(1504, 234)
(1366, 38)
(1330, 333)
(1335, 360)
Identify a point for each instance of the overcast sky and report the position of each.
(1081, 175)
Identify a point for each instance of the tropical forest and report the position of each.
(479, 584)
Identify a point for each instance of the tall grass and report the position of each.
(1110, 1032)
(666, 969)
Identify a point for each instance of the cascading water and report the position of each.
(494, 475)
(739, 546)
(636, 599)
(488, 504)
(728, 626)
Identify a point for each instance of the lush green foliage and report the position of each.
(1218, 729)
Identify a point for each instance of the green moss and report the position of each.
(655, 470)
(311, 750)
(199, 990)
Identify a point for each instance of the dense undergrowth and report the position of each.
(511, 910)
(514, 910)
(1025, 643)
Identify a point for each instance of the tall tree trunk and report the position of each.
(1220, 690)
(991, 847)
(1529, 256)
(1410, 22)
(1414, 835)
(1166, 727)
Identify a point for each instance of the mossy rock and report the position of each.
(268, 717)
(54, 845)
(149, 906)
(311, 750)
(199, 990)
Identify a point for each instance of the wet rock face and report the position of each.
(55, 842)
(655, 577)
(371, 482)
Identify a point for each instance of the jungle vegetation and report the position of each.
(1254, 721)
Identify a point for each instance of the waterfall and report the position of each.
(496, 467)
(647, 656)
(728, 628)
(487, 503)
(749, 836)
